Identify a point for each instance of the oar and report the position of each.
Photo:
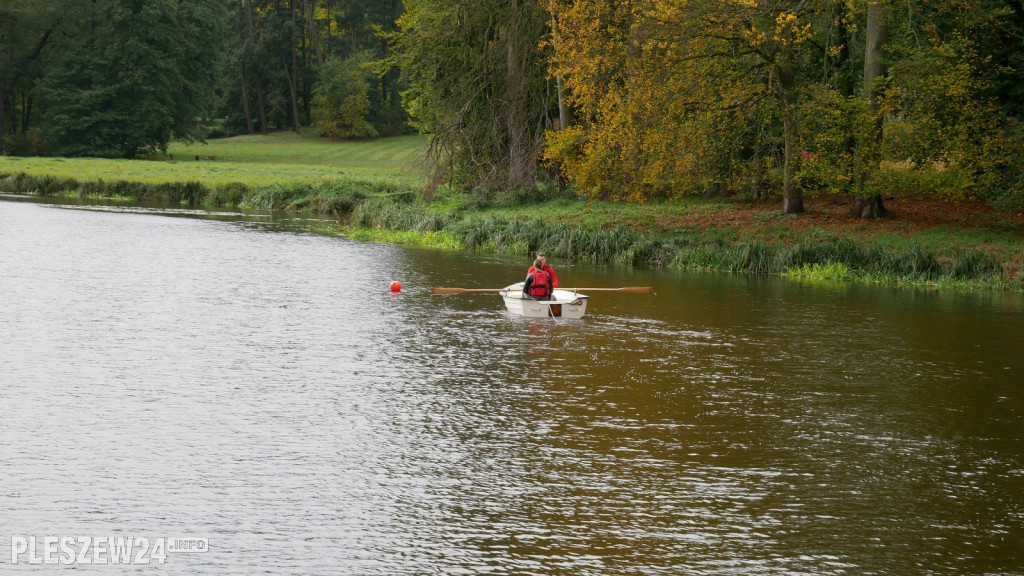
(465, 290)
(626, 289)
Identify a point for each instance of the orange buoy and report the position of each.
(396, 286)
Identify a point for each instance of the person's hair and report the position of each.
(538, 265)
(541, 255)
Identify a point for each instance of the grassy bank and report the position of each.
(370, 191)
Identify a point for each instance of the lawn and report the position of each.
(279, 157)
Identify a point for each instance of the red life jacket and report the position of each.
(541, 284)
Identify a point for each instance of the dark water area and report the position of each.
(235, 378)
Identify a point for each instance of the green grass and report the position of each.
(429, 239)
(818, 271)
(278, 158)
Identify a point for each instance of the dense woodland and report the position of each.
(633, 100)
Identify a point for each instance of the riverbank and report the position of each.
(920, 243)
(928, 243)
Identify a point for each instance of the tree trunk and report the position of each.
(3, 97)
(563, 110)
(313, 36)
(5, 75)
(841, 59)
(756, 173)
(260, 105)
(259, 83)
(867, 205)
(293, 78)
(26, 113)
(245, 105)
(520, 157)
(792, 199)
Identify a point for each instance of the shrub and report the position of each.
(935, 180)
(230, 194)
(29, 143)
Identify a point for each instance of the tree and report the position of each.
(478, 87)
(282, 49)
(131, 76)
(868, 204)
(935, 124)
(341, 100)
(674, 92)
(26, 31)
(366, 25)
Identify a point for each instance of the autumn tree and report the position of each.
(677, 91)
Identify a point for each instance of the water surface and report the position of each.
(219, 377)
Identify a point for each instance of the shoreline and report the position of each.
(934, 251)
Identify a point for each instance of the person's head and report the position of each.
(538, 264)
(542, 258)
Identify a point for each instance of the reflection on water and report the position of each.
(173, 376)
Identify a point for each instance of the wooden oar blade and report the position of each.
(637, 289)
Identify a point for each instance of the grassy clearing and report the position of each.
(278, 158)
(394, 155)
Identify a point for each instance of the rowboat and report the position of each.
(563, 303)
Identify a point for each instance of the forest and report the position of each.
(631, 100)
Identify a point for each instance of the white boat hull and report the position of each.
(564, 304)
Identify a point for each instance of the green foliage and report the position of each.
(332, 197)
(829, 121)
(341, 99)
(477, 86)
(831, 271)
(29, 143)
(934, 180)
(523, 196)
(940, 124)
(1009, 195)
(385, 213)
(163, 193)
(230, 194)
(130, 76)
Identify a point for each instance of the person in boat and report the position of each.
(541, 257)
(538, 283)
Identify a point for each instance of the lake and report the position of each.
(180, 374)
